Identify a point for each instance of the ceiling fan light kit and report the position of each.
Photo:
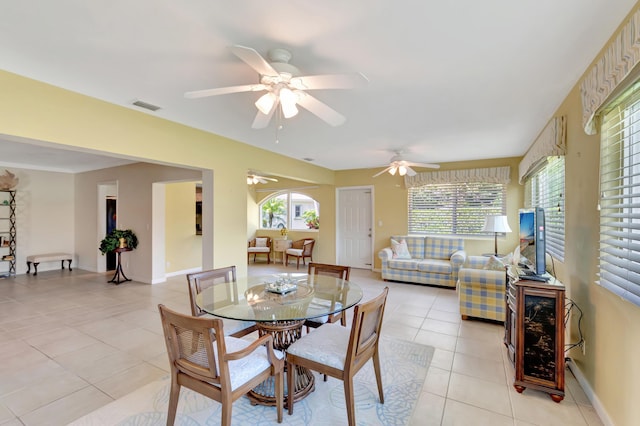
(402, 166)
(285, 87)
(266, 102)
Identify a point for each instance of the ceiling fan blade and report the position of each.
(427, 165)
(322, 110)
(225, 90)
(382, 172)
(252, 58)
(262, 120)
(329, 81)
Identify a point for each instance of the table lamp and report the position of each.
(496, 224)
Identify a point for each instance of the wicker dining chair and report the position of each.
(200, 281)
(337, 271)
(223, 369)
(341, 352)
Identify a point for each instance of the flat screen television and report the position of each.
(532, 239)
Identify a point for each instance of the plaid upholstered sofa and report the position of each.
(481, 288)
(433, 260)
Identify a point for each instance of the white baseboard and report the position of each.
(595, 401)
(183, 272)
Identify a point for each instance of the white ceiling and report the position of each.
(448, 81)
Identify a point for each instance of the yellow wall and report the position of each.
(610, 325)
(134, 209)
(324, 249)
(183, 249)
(390, 204)
(36, 111)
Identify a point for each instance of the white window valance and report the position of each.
(615, 64)
(552, 141)
(489, 174)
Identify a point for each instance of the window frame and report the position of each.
(545, 187)
(619, 248)
(290, 206)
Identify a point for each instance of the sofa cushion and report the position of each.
(414, 244)
(261, 242)
(410, 265)
(400, 249)
(442, 248)
(435, 266)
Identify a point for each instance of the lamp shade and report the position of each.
(496, 223)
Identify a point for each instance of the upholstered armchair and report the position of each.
(481, 288)
(259, 245)
(300, 249)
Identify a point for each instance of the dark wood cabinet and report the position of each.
(534, 335)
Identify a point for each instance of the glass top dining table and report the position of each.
(280, 304)
(280, 297)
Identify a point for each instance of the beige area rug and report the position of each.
(404, 369)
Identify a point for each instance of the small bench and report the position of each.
(47, 257)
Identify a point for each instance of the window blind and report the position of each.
(545, 188)
(619, 268)
(454, 208)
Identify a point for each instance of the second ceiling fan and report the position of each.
(400, 163)
(285, 87)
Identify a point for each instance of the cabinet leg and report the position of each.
(556, 398)
(519, 388)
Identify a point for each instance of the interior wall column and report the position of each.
(207, 219)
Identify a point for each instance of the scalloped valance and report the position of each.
(615, 64)
(550, 142)
(489, 174)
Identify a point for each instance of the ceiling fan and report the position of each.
(400, 163)
(253, 179)
(285, 87)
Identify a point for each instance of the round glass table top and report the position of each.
(280, 297)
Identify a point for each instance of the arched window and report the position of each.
(291, 210)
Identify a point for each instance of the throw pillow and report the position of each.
(261, 242)
(400, 249)
(494, 264)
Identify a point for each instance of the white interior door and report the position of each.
(354, 227)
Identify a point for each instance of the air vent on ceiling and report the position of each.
(146, 105)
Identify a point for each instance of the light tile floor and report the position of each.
(71, 343)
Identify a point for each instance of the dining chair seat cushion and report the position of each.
(326, 345)
(294, 252)
(259, 249)
(323, 319)
(244, 369)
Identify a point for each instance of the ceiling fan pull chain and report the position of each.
(278, 124)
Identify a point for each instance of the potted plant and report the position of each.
(118, 238)
(311, 219)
